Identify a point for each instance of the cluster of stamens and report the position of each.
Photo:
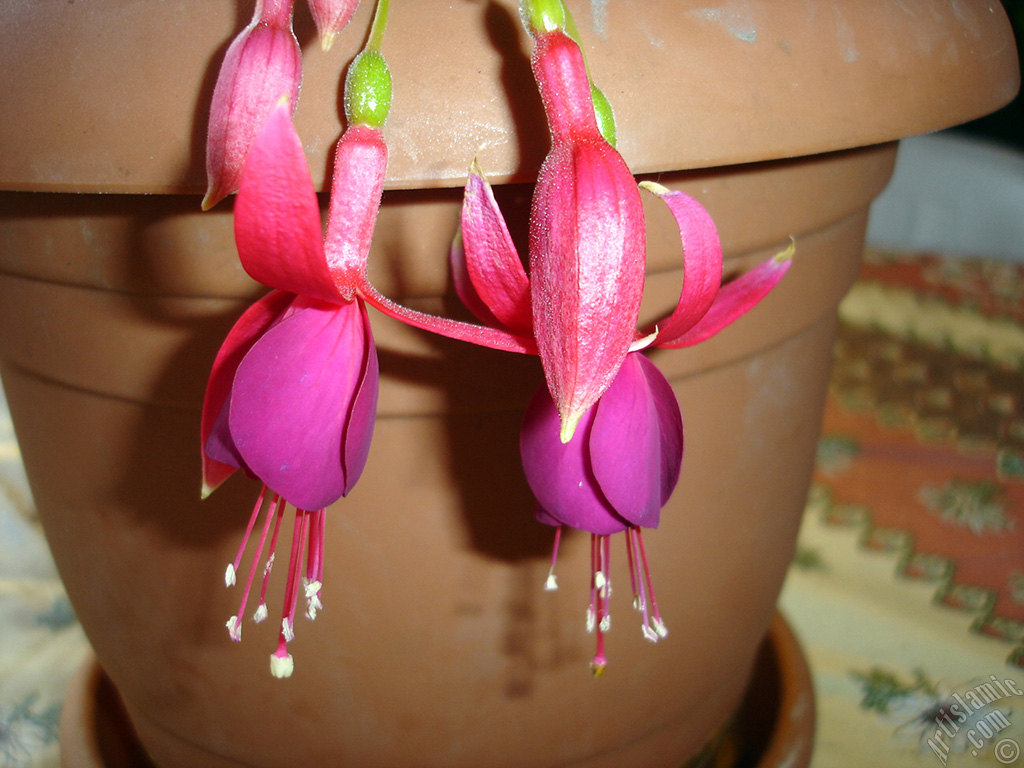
(599, 618)
(307, 546)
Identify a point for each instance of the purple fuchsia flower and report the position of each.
(263, 62)
(609, 466)
(292, 395)
(623, 461)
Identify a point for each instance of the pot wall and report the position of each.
(437, 645)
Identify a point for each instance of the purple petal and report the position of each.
(220, 458)
(670, 421)
(734, 300)
(559, 473)
(363, 413)
(293, 399)
(625, 445)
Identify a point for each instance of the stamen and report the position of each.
(638, 601)
(659, 626)
(551, 584)
(291, 591)
(272, 554)
(236, 630)
(313, 581)
(600, 559)
(229, 575)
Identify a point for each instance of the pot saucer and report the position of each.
(773, 727)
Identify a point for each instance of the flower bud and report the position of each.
(331, 16)
(368, 90)
(540, 16)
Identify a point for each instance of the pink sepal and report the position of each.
(734, 299)
(331, 16)
(702, 263)
(277, 217)
(262, 65)
(492, 264)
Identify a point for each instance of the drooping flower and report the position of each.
(262, 65)
(292, 396)
(621, 461)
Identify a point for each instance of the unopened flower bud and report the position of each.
(331, 16)
(540, 16)
(368, 90)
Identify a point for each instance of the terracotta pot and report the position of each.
(437, 646)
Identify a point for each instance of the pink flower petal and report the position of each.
(560, 474)
(292, 403)
(494, 338)
(733, 300)
(331, 16)
(256, 320)
(464, 285)
(277, 218)
(262, 65)
(702, 261)
(492, 263)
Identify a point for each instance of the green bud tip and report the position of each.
(368, 90)
(603, 113)
(540, 16)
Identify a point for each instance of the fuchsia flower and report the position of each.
(331, 16)
(602, 452)
(293, 392)
(263, 63)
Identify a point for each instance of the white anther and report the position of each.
(229, 575)
(551, 584)
(606, 622)
(599, 580)
(660, 628)
(260, 613)
(234, 628)
(649, 633)
(591, 620)
(287, 630)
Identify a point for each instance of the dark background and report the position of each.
(1006, 125)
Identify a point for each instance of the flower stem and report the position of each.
(380, 20)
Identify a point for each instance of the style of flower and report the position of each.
(600, 456)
